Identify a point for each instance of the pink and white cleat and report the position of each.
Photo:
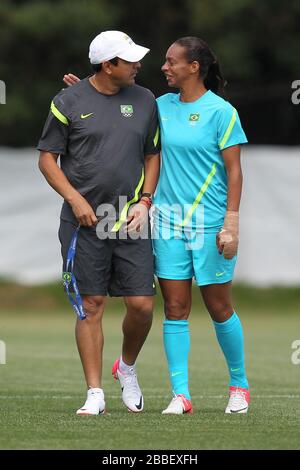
(239, 399)
(179, 405)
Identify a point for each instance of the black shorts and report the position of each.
(117, 267)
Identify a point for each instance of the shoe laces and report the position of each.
(130, 380)
(178, 398)
(237, 397)
(94, 395)
(174, 399)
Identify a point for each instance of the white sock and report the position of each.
(125, 368)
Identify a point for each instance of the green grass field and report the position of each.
(42, 382)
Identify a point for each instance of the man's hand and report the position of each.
(70, 79)
(83, 211)
(58, 180)
(137, 218)
(228, 237)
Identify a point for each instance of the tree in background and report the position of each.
(256, 41)
(39, 42)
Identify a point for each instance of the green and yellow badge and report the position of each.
(126, 110)
(66, 277)
(194, 117)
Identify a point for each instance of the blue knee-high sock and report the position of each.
(177, 346)
(231, 340)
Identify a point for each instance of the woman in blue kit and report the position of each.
(196, 215)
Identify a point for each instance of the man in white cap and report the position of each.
(105, 131)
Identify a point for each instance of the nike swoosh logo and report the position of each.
(235, 370)
(175, 373)
(220, 274)
(83, 116)
(236, 411)
(139, 406)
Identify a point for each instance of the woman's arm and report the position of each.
(228, 238)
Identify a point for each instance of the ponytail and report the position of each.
(214, 80)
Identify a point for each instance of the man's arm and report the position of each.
(138, 215)
(59, 182)
(152, 167)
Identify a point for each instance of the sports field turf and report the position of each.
(41, 385)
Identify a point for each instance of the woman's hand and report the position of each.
(228, 237)
(137, 218)
(70, 79)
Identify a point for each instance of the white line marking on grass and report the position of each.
(71, 397)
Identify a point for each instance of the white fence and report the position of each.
(270, 218)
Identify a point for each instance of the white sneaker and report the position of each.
(239, 399)
(94, 404)
(131, 393)
(179, 405)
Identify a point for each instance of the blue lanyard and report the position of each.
(69, 278)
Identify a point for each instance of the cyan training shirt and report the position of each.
(193, 173)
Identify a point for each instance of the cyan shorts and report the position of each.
(183, 257)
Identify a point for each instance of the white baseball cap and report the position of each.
(110, 44)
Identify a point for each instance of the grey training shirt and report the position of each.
(102, 140)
